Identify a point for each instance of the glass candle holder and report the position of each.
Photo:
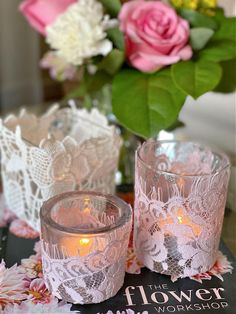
(84, 238)
(180, 195)
(65, 149)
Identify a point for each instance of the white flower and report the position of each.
(28, 307)
(12, 285)
(32, 266)
(58, 67)
(79, 33)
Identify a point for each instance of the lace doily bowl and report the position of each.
(63, 150)
(180, 195)
(84, 238)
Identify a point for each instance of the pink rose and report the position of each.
(41, 13)
(155, 35)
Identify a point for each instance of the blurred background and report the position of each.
(22, 82)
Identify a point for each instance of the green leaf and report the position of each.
(196, 78)
(88, 102)
(222, 46)
(177, 124)
(116, 37)
(199, 37)
(228, 81)
(146, 103)
(112, 62)
(227, 29)
(90, 84)
(219, 50)
(219, 14)
(197, 19)
(113, 6)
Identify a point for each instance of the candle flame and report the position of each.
(84, 241)
(87, 209)
(185, 220)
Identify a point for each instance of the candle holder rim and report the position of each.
(50, 136)
(218, 151)
(55, 107)
(45, 213)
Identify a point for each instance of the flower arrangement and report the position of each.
(152, 53)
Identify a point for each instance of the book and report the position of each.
(149, 292)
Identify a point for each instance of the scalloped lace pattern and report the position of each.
(64, 150)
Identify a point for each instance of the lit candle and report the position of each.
(185, 220)
(80, 245)
(80, 232)
(182, 219)
(77, 246)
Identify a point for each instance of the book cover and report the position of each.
(152, 293)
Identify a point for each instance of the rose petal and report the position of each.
(41, 13)
(155, 36)
(21, 229)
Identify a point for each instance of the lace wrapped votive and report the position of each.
(63, 150)
(84, 238)
(180, 195)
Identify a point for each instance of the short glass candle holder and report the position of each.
(180, 195)
(84, 238)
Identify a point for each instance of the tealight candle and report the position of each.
(180, 194)
(84, 238)
(180, 219)
(74, 246)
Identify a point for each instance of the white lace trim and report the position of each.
(87, 279)
(64, 150)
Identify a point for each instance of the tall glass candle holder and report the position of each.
(84, 237)
(180, 195)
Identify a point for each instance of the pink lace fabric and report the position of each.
(87, 264)
(222, 266)
(24, 287)
(21, 229)
(86, 279)
(178, 214)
